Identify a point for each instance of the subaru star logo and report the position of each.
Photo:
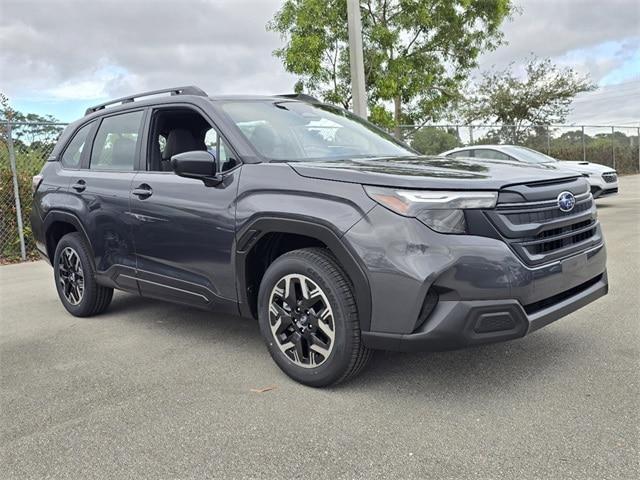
(566, 201)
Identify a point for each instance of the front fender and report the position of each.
(262, 225)
(323, 210)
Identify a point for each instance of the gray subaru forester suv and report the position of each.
(335, 236)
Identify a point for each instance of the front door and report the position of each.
(183, 230)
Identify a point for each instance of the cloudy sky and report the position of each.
(59, 56)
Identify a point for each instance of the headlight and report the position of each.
(442, 211)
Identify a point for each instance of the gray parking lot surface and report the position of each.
(154, 390)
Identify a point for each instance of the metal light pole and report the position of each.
(638, 140)
(356, 58)
(613, 147)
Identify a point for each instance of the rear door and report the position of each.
(102, 190)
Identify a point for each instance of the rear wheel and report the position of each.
(75, 278)
(308, 317)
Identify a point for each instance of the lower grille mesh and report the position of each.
(548, 302)
(552, 245)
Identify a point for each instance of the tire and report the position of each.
(74, 275)
(330, 325)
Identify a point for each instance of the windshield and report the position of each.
(528, 155)
(295, 131)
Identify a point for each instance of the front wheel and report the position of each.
(308, 317)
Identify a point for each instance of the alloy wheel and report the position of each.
(301, 320)
(71, 276)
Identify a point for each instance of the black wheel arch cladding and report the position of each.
(260, 226)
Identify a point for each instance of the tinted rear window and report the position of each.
(73, 153)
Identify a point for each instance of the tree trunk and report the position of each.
(397, 114)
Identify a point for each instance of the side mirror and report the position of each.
(197, 164)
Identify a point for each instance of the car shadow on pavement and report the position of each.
(461, 372)
(474, 370)
(600, 205)
(182, 320)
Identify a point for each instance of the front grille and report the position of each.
(539, 232)
(610, 177)
(563, 237)
(543, 215)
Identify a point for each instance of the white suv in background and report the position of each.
(603, 179)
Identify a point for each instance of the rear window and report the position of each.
(73, 153)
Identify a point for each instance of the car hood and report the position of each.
(430, 172)
(584, 167)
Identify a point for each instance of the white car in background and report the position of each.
(603, 180)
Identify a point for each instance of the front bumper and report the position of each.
(604, 192)
(484, 292)
(601, 188)
(466, 323)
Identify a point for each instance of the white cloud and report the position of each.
(93, 86)
(222, 46)
(593, 37)
(551, 28)
(77, 49)
(609, 105)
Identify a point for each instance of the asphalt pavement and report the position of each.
(154, 390)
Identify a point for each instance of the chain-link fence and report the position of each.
(24, 147)
(614, 146)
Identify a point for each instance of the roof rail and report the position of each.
(188, 90)
(300, 96)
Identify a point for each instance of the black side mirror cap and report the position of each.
(198, 164)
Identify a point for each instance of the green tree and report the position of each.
(417, 53)
(573, 137)
(28, 129)
(542, 97)
(433, 141)
(33, 138)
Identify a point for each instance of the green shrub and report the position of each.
(28, 164)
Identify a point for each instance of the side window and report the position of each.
(73, 153)
(177, 130)
(115, 145)
(463, 153)
(216, 145)
(491, 154)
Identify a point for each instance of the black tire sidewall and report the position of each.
(87, 305)
(339, 361)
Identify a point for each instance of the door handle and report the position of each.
(143, 191)
(79, 186)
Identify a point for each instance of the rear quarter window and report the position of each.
(73, 153)
(491, 154)
(464, 153)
